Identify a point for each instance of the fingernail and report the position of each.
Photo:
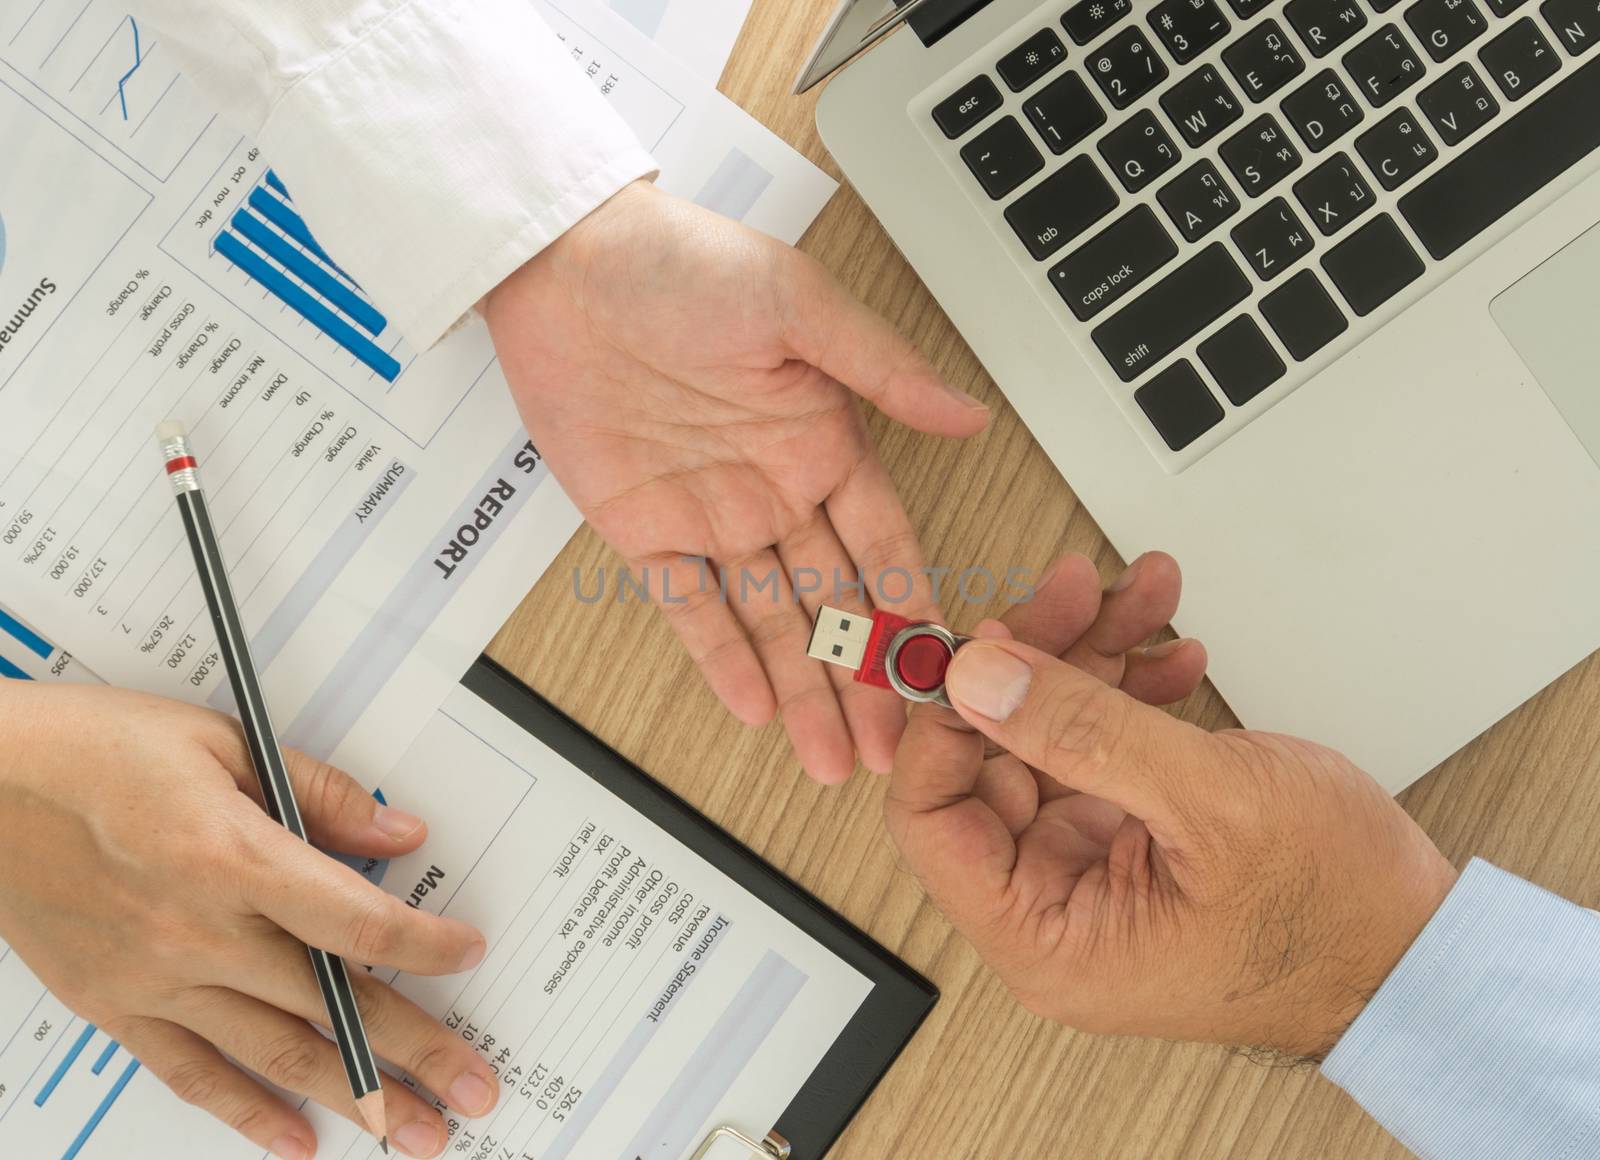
(474, 955)
(396, 824)
(1129, 575)
(1165, 649)
(988, 680)
(470, 1094)
(956, 392)
(418, 1138)
(288, 1148)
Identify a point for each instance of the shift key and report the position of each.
(1101, 272)
(1172, 312)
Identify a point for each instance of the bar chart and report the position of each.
(246, 238)
(76, 1075)
(27, 656)
(17, 639)
(92, 57)
(272, 245)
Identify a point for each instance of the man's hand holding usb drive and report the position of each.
(1128, 873)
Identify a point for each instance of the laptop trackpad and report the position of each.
(1550, 318)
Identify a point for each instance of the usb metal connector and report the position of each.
(840, 637)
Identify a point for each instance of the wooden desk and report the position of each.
(984, 1078)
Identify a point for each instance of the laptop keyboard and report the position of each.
(1219, 192)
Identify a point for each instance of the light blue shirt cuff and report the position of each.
(1485, 1040)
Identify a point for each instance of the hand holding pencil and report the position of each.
(335, 907)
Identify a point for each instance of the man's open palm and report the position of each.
(692, 384)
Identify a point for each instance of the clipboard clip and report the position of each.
(774, 1147)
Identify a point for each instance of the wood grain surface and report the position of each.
(985, 1078)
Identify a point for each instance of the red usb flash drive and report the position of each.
(889, 651)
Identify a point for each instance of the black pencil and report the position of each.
(267, 756)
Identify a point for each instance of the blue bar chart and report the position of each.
(70, 1091)
(27, 656)
(271, 244)
(55, 1076)
(245, 236)
(99, 1113)
(67, 1060)
(19, 643)
(106, 1057)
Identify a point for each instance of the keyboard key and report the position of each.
(1372, 265)
(1397, 149)
(1458, 104)
(1260, 155)
(1188, 27)
(1381, 5)
(1245, 9)
(1334, 194)
(965, 107)
(1087, 19)
(1263, 61)
(1303, 315)
(1031, 59)
(1201, 105)
(1241, 359)
(1384, 65)
(1324, 24)
(1198, 200)
(1126, 68)
(1172, 312)
(1108, 266)
(1445, 27)
(1272, 239)
(1577, 23)
(1139, 151)
(1322, 110)
(1178, 405)
(1061, 207)
(1520, 59)
(1508, 166)
(1002, 157)
(1064, 112)
(1504, 7)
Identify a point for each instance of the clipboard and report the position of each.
(895, 1008)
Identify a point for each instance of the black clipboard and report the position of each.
(900, 998)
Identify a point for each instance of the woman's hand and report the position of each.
(1127, 873)
(693, 385)
(143, 883)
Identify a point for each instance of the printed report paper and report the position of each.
(381, 511)
(632, 997)
(700, 33)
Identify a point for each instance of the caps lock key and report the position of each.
(1107, 267)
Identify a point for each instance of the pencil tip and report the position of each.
(371, 1108)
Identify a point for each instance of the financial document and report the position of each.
(27, 655)
(700, 33)
(380, 508)
(632, 998)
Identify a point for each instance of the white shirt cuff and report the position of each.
(441, 150)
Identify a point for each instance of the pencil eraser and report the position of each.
(171, 430)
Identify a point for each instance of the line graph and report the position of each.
(95, 60)
(138, 59)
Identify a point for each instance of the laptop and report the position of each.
(1305, 292)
